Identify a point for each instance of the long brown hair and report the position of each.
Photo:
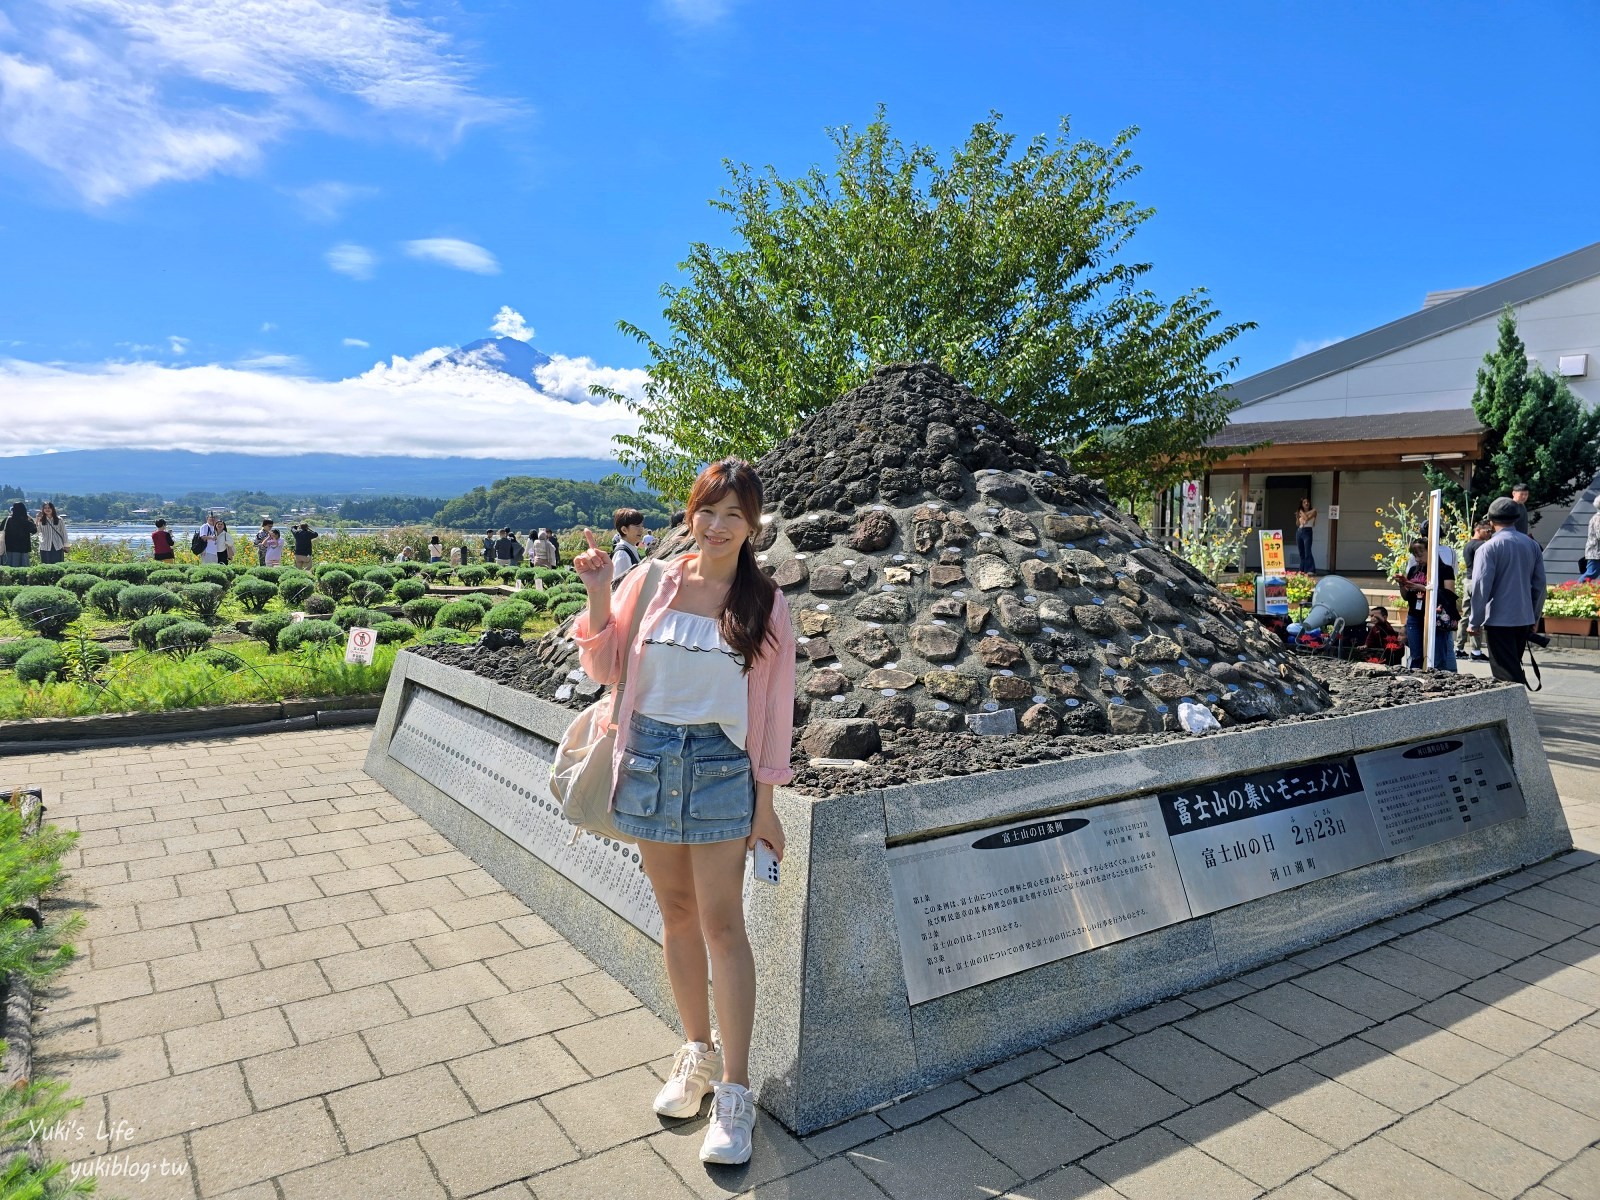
(749, 602)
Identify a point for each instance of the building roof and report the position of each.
(1441, 317)
(1370, 428)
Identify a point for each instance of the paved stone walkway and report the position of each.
(291, 987)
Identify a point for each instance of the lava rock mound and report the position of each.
(946, 574)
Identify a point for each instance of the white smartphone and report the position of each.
(766, 865)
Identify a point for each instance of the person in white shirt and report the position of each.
(224, 543)
(209, 531)
(625, 555)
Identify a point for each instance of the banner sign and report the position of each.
(359, 646)
(1272, 586)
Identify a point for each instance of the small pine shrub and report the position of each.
(319, 605)
(367, 592)
(409, 589)
(394, 631)
(38, 665)
(422, 611)
(203, 599)
(294, 587)
(220, 657)
(215, 573)
(347, 617)
(549, 576)
(46, 610)
(140, 600)
(143, 631)
(47, 574)
(254, 593)
(270, 574)
(268, 626)
(334, 584)
(322, 569)
(459, 614)
(484, 603)
(183, 637)
(384, 577)
(446, 637)
(169, 577)
(130, 572)
(513, 614)
(10, 652)
(568, 608)
(473, 574)
(105, 596)
(79, 584)
(85, 659)
(7, 592)
(303, 633)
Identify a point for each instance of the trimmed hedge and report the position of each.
(394, 631)
(367, 592)
(47, 574)
(513, 614)
(143, 631)
(105, 596)
(79, 584)
(142, 599)
(40, 664)
(46, 611)
(312, 632)
(215, 573)
(10, 652)
(458, 614)
(268, 626)
(422, 610)
(183, 637)
(334, 583)
(130, 572)
(204, 598)
(318, 605)
(169, 577)
(568, 608)
(409, 589)
(348, 616)
(255, 593)
(295, 586)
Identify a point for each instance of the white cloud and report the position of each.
(419, 406)
(178, 345)
(267, 327)
(328, 201)
(272, 362)
(508, 322)
(357, 343)
(698, 12)
(1309, 345)
(116, 96)
(453, 252)
(569, 378)
(347, 258)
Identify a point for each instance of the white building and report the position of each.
(1351, 424)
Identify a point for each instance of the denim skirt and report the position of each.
(682, 784)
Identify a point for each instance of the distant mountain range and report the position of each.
(174, 472)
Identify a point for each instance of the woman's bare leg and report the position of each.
(671, 874)
(719, 893)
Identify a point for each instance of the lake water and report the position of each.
(181, 531)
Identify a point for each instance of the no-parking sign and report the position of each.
(360, 646)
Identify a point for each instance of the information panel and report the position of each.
(1431, 791)
(501, 773)
(979, 906)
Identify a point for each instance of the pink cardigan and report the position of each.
(770, 734)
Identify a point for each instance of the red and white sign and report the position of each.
(358, 649)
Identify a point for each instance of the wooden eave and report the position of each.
(1369, 455)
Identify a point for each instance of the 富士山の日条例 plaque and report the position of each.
(979, 906)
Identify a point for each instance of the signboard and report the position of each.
(1333, 512)
(1430, 791)
(979, 906)
(1272, 586)
(359, 646)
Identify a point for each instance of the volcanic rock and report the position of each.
(874, 531)
(936, 643)
(999, 652)
(1015, 616)
(1040, 576)
(872, 646)
(884, 677)
(951, 686)
(827, 683)
(884, 606)
(990, 572)
(1041, 719)
(830, 581)
(858, 738)
(791, 572)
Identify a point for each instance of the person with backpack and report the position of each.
(204, 541)
(161, 544)
(304, 535)
(19, 531)
(435, 549)
(625, 554)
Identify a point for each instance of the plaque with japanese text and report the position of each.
(1432, 791)
(979, 906)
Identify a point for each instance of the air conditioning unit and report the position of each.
(1573, 366)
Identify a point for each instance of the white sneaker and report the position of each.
(733, 1122)
(692, 1071)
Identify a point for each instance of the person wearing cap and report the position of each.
(1519, 494)
(1508, 588)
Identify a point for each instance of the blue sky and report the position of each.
(179, 180)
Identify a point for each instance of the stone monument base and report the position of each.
(925, 930)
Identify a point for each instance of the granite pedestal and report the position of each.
(836, 1032)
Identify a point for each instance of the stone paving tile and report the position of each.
(1387, 1078)
(845, 1135)
(438, 1037)
(636, 1170)
(1246, 1037)
(300, 1071)
(179, 1104)
(599, 1114)
(836, 1179)
(539, 1010)
(267, 989)
(925, 1104)
(228, 1040)
(1556, 1078)
(483, 1152)
(1013, 1069)
(107, 1068)
(1527, 1116)
(523, 1070)
(1257, 1144)
(1183, 1066)
(1579, 1179)
(1358, 992)
(1469, 1150)
(1112, 1098)
(400, 1106)
(262, 1145)
(1312, 1016)
(624, 1040)
(403, 1168)
(1406, 972)
(1437, 1050)
(1483, 1023)
(1155, 1165)
(1323, 1107)
(1147, 1019)
(1380, 1170)
(1531, 1003)
(1024, 1129)
(932, 1161)
(1501, 939)
(1088, 1041)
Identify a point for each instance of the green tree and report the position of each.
(1535, 431)
(1005, 267)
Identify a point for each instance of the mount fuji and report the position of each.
(507, 355)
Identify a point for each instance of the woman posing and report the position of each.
(1305, 520)
(224, 545)
(52, 534)
(705, 724)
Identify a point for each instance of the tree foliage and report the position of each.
(1005, 265)
(523, 502)
(1535, 431)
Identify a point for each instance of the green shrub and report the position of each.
(8, 592)
(142, 599)
(549, 576)
(422, 610)
(170, 577)
(409, 589)
(568, 608)
(47, 574)
(513, 614)
(446, 637)
(294, 587)
(334, 583)
(203, 599)
(183, 637)
(85, 659)
(384, 577)
(534, 598)
(309, 632)
(459, 614)
(46, 610)
(394, 631)
(10, 652)
(322, 569)
(105, 596)
(40, 664)
(220, 657)
(473, 574)
(367, 592)
(143, 631)
(347, 617)
(255, 593)
(215, 573)
(268, 626)
(408, 568)
(438, 570)
(319, 605)
(271, 574)
(79, 584)
(129, 572)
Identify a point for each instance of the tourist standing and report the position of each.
(19, 531)
(544, 552)
(489, 545)
(208, 536)
(1519, 493)
(1481, 532)
(1414, 587)
(1591, 547)
(52, 534)
(161, 542)
(706, 720)
(224, 542)
(435, 549)
(1508, 588)
(270, 547)
(505, 548)
(304, 535)
(455, 556)
(1305, 520)
(629, 526)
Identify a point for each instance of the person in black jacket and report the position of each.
(490, 544)
(505, 548)
(19, 531)
(303, 534)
